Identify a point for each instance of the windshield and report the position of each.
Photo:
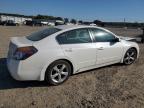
(42, 34)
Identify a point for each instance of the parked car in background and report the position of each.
(44, 23)
(40, 22)
(51, 23)
(33, 23)
(59, 22)
(55, 53)
(92, 24)
(9, 23)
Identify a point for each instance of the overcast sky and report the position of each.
(105, 10)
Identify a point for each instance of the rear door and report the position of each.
(108, 51)
(77, 45)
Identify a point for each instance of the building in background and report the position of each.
(15, 18)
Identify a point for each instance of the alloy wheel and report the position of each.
(59, 73)
(130, 56)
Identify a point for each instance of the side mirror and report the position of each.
(115, 40)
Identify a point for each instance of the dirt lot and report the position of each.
(115, 86)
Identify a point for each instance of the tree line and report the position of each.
(74, 21)
(97, 22)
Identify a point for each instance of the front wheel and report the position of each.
(130, 56)
(58, 72)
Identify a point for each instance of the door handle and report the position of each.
(101, 48)
(69, 50)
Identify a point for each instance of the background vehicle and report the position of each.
(33, 23)
(8, 23)
(53, 54)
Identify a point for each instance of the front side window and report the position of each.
(74, 37)
(42, 34)
(102, 35)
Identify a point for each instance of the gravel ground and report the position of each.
(114, 86)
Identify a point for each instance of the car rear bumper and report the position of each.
(13, 67)
(21, 71)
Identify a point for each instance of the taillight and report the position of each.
(23, 53)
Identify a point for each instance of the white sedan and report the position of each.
(53, 54)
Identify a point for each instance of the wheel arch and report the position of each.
(42, 75)
(134, 48)
(137, 50)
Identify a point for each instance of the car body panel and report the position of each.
(82, 56)
(108, 52)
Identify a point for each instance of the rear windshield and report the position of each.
(42, 34)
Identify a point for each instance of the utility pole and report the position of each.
(124, 22)
(142, 38)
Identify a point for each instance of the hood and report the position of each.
(127, 38)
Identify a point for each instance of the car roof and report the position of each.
(69, 27)
(64, 27)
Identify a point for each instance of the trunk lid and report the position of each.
(21, 41)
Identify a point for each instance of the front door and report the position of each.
(108, 47)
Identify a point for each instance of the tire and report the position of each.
(58, 72)
(130, 56)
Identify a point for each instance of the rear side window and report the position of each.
(42, 34)
(74, 37)
(102, 35)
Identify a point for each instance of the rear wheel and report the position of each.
(130, 56)
(58, 72)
